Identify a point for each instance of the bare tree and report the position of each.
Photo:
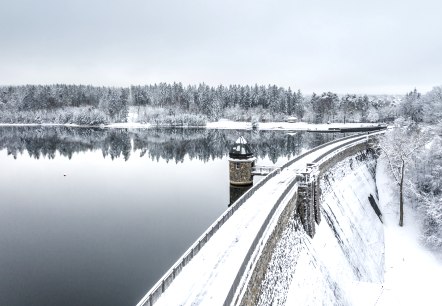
(399, 146)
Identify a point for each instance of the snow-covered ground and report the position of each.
(297, 126)
(413, 274)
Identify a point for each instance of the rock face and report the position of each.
(346, 252)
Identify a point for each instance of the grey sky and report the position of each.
(342, 46)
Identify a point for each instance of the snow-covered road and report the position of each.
(207, 279)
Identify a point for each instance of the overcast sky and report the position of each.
(371, 46)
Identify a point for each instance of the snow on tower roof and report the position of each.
(240, 149)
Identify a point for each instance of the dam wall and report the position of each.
(347, 248)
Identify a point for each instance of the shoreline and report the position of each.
(220, 125)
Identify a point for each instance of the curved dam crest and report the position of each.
(265, 253)
(346, 253)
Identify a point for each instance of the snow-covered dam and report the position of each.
(307, 234)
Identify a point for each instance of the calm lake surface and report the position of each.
(97, 216)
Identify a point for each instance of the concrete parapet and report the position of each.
(350, 151)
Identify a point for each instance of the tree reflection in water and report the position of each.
(170, 144)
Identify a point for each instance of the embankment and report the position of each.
(346, 253)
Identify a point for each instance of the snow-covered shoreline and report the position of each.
(221, 124)
(296, 126)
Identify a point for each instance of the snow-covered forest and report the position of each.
(177, 105)
(414, 155)
(412, 151)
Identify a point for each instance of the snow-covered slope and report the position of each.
(344, 258)
(413, 274)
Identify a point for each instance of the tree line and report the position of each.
(86, 105)
(100, 105)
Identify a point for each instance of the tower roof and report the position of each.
(240, 149)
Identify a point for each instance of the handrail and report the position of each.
(155, 292)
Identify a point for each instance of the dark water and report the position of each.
(97, 216)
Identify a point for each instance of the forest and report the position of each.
(177, 105)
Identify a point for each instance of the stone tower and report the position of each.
(241, 162)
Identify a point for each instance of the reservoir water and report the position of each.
(93, 216)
